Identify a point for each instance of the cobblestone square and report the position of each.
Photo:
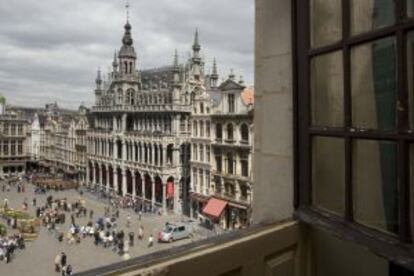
(38, 257)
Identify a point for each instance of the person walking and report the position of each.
(63, 259)
(139, 215)
(91, 214)
(150, 241)
(141, 232)
(128, 222)
(34, 201)
(131, 239)
(57, 262)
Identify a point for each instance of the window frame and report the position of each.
(394, 248)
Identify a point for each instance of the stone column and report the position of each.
(107, 179)
(123, 150)
(116, 149)
(164, 197)
(116, 180)
(159, 155)
(133, 152)
(100, 175)
(107, 148)
(153, 154)
(114, 128)
(88, 173)
(124, 182)
(124, 122)
(143, 186)
(177, 207)
(134, 182)
(153, 192)
(94, 174)
(164, 155)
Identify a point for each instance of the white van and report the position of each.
(174, 232)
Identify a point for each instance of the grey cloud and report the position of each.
(50, 49)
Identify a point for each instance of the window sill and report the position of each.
(380, 243)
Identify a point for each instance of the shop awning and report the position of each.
(214, 207)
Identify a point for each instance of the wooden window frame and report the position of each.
(398, 249)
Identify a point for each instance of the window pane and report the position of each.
(412, 189)
(410, 8)
(328, 174)
(326, 22)
(375, 184)
(374, 84)
(410, 77)
(368, 15)
(327, 95)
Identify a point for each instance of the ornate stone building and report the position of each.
(138, 143)
(151, 135)
(13, 144)
(59, 143)
(221, 164)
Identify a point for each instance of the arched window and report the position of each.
(201, 108)
(230, 163)
(244, 133)
(230, 136)
(219, 132)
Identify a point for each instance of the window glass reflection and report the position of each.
(374, 84)
(328, 174)
(326, 22)
(375, 184)
(327, 96)
(367, 15)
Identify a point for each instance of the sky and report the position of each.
(50, 50)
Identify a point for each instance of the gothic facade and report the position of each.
(151, 134)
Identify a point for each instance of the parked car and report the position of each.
(173, 232)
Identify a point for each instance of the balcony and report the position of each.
(276, 252)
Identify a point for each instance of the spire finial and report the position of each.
(215, 67)
(196, 45)
(232, 76)
(127, 6)
(175, 58)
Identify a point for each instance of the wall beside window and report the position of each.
(273, 148)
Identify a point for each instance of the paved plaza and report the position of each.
(38, 257)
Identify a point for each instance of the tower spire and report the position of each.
(175, 59)
(196, 45)
(214, 76)
(127, 6)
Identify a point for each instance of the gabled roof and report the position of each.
(230, 84)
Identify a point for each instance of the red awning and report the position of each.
(214, 207)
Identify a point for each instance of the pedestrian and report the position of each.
(150, 241)
(34, 201)
(63, 259)
(141, 232)
(57, 262)
(128, 223)
(68, 270)
(139, 215)
(91, 214)
(131, 238)
(6, 203)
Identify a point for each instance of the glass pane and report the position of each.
(375, 184)
(327, 96)
(326, 22)
(410, 76)
(367, 15)
(410, 8)
(328, 174)
(374, 84)
(412, 189)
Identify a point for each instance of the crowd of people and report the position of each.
(8, 245)
(105, 230)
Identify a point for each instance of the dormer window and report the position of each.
(231, 103)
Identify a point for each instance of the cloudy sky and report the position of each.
(50, 49)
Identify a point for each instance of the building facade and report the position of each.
(221, 165)
(13, 144)
(151, 135)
